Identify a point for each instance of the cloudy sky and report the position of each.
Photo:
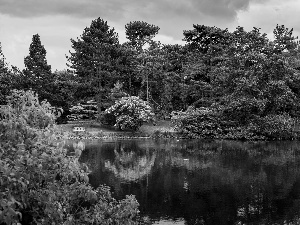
(57, 21)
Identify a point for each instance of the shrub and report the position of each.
(161, 133)
(248, 132)
(197, 123)
(40, 183)
(130, 112)
(243, 109)
(212, 123)
(26, 105)
(276, 126)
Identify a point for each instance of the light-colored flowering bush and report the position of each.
(39, 182)
(131, 112)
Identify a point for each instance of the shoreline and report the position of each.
(163, 130)
(94, 130)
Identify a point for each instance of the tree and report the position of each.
(10, 78)
(253, 83)
(65, 85)
(117, 93)
(175, 60)
(206, 39)
(5, 78)
(126, 66)
(151, 73)
(94, 58)
(139, 33)
(37, 72)
(284, 39)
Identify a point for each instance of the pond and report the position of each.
(200, 182)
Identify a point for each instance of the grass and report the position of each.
(162, 126)
(93, 128)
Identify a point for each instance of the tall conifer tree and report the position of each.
(94, 58)
(37, 71)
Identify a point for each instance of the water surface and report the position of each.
(201, 182)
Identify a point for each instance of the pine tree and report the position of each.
(94, 60)
(139, 33)
(37, 72)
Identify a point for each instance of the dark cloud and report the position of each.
(59, 20)
(172, 16)
(78, 8)
(117, 9)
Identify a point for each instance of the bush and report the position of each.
(161, 133)
(276, 126)
(212, 123)
(197, 123)
(130, 113)
(40, 183)
(243, 109)
(26, 106)
(248, 132)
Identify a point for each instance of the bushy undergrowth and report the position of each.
(211, 123)
(276, 126)
(197, 123)
(39, 182)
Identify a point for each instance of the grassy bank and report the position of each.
(94, 130)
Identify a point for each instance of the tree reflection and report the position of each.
(129, 165)
(204, 182)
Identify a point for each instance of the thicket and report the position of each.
(212, 124)
(240, 82)
(253, 84)
(39, 182)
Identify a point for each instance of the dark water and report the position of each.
(201, 182)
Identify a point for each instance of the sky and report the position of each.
(57, 21)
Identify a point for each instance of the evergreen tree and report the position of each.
(94, 60)
(5, 81)
(139, 33)
(37, 72)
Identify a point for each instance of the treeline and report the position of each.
(234, 84)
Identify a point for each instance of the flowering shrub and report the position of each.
(39, 182)
(131, 112)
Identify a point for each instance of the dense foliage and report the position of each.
(247, 81)
(252, 85)
(40, 182)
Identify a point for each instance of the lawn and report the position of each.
(94, 127)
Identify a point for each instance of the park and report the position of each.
(145, 133)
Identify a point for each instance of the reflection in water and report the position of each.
(129, 166)
(197, 182)
(78, 147)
